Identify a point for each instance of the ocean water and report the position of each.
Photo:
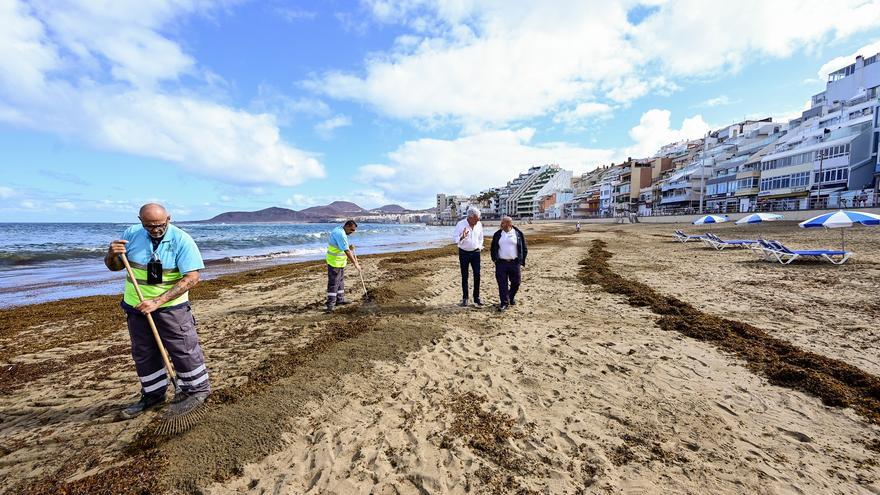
(48, 261)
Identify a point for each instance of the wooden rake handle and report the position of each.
(140, 295)
(361, 273)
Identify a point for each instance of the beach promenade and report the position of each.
(631, 364)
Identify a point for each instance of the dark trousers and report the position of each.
(507, 272)
(335, 285)
(472, 259)
(177, 329)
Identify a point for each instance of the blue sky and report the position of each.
(234, 105)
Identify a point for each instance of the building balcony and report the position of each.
(676, 198)
(745, 174)
(747, 191)
(675, 185)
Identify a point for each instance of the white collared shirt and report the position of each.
(507, 245)
(473, 240)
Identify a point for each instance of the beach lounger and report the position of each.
(785, 255)
(682, 237)
(720, 244)
(764, 249)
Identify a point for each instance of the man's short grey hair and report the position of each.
(473, 211)
(506, 218)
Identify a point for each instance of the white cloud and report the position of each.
(693, 37)
(655, 130)
(29, 204)
(325, 128)
(65, 205)
(498, 62)
(376, 172)
(55, 62)
(718, 101)
(841, 62)
(294, 14)
(7, 192)
(584, 111)
(471, 163)
(300, 201)
(285, 108)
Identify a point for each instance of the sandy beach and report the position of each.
(631, 364)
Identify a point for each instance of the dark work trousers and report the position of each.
(177, 329)
(472, 259)
(335, 285)
(507, 272)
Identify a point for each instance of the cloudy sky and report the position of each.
(230, 105)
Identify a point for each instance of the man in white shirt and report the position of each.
(469, 238)
(509, 253)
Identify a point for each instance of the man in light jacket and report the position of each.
(509, 255)
(469, 238)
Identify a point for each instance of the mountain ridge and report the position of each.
(321, 213)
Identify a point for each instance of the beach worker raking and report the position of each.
(166, 262)
(469, 238)
(508, 252)
(339, 252)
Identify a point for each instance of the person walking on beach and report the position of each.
(577, 228)
(508, 252)
(166, 262)
(469, 238)
(339, 252)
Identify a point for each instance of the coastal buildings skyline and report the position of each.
(825, 157)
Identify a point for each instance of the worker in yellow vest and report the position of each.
(339, 252)
(166, 262)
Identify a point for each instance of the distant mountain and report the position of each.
(273, 214)
(390, 209)
(335, 210)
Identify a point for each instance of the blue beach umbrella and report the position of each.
(710, 219)
(758, 218)
(840, 219)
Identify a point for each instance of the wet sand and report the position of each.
(631, 364)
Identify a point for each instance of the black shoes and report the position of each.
(342, 303)
(512, 301)
(477, 302)
(145, 403)
(329, 307)
(502, 307)
(463, 303)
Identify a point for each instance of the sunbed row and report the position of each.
(767, 249)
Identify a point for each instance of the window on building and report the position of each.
(800, 179)
(833, 175)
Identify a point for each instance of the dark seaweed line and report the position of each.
(835, 382)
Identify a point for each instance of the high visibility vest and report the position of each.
(336, 257)
(150, 291)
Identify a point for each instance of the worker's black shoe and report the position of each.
(183, 403)
(512, 301)
(502, 307)
(329, 307)
(145, 403)
(342, 303)
(477, 302)
(463, 303)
